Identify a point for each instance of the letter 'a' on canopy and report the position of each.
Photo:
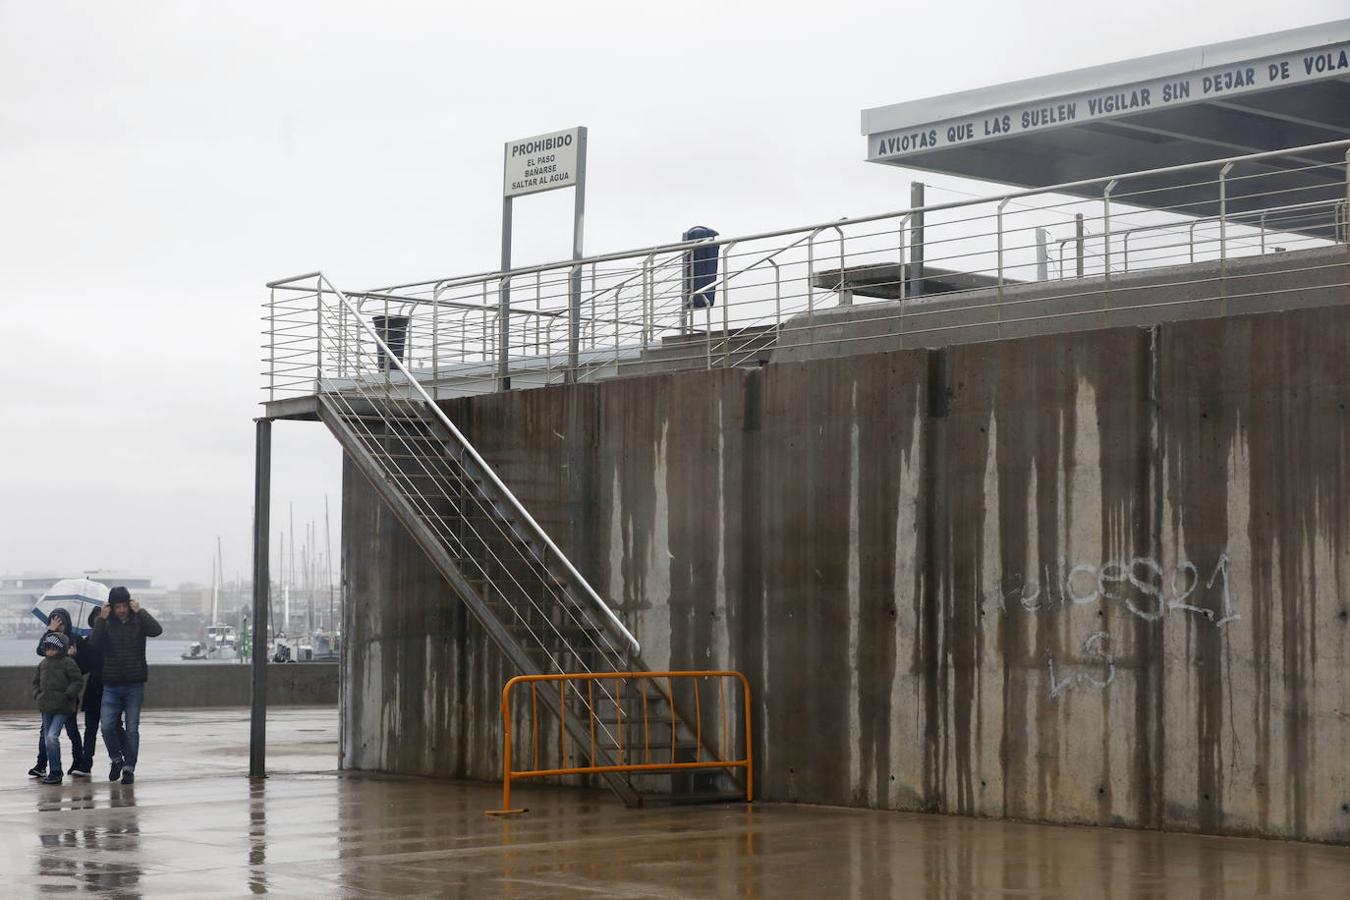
(700, 269)
(1254, 95)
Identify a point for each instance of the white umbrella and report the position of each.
(78, 596)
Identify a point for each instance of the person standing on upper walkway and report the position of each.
(120, 634)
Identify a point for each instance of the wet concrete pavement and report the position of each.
(193, 826)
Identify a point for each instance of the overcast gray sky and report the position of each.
(159, 161)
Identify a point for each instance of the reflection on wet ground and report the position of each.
(193, 826)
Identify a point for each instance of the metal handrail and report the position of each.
(1062, 188)
(1259, 215)
(468, 448)
(985, 242)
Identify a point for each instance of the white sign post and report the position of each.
(545, 162)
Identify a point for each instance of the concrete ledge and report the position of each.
(203, 685)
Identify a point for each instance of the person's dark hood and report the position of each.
(64, 615)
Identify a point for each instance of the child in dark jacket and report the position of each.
(56, 688)
(59, 622)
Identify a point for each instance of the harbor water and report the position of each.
(158, 651)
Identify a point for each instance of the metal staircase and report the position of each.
(531, 601)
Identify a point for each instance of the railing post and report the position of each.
(1223, 211)
(1261, 224)
(272, 345)
(998, 218)
(904, 223)
(726, 303)
(777, 295)
(1082, 244)
(573, 323)
(648, 301)
(387, 364)
(436, 342)
(1042, 254)
(1127, 249)
(483, 344)
(845, 295)
(811, 281)
(916, 242)
(707, 336)
(1106, 231)
(1345, 210)
(1192, 238)
(504, 333)
(318, 343)
(998, 227)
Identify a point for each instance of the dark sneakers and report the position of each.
(80, 770)
(53, 778)
(128, 777)
(37, 771)
(116, 771)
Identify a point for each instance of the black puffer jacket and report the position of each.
(122, 643)
(90, 659)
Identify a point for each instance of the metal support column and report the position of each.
(916, 239)
(262, 501)
(578, 234)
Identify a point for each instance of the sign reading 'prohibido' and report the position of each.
(544, 162)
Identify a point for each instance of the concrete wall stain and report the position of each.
(1093, 577)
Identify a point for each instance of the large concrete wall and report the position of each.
(1093, 577)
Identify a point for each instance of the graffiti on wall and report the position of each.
(1141, 587)
(1099, 671)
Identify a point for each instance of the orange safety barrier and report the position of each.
(648, 763)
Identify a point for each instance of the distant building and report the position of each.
(187, 599)
(20, 593)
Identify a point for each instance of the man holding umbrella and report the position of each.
(119, 633)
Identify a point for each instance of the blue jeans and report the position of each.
(119, 700)
(72, 729)
(52, 726)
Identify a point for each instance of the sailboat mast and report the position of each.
(328, 562)
(218, 586)
(214, 578)
(290, 576)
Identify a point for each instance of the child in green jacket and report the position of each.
(56, 687)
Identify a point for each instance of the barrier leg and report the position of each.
(506, 809)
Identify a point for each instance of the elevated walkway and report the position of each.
(1028, 262)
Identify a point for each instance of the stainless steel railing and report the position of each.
(363, 372)
(604, 315)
